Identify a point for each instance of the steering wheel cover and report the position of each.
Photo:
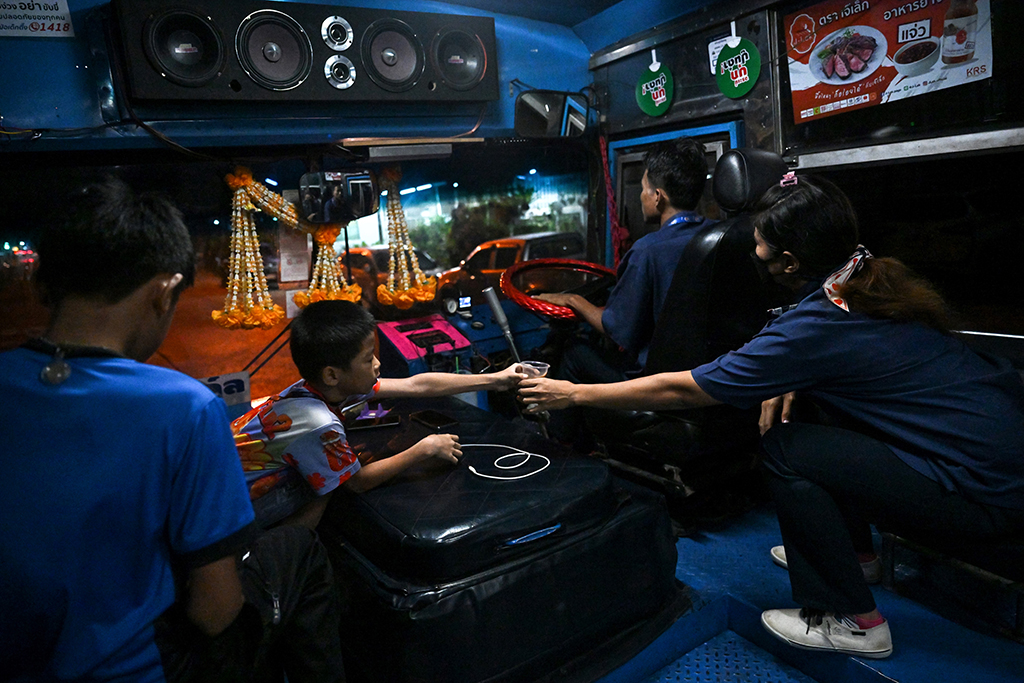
(543, 307)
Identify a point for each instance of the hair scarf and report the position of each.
(840, 276)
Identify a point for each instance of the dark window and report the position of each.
(382, 258)
(358, 261)
(505, 257)
(426, 263)
(480, 261)
(568, 246)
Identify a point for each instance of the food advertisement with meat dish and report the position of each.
(850, 55)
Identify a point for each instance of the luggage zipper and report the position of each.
(532, 536)
(277, 607)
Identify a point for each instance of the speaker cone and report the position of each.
(185, 47)
(274, 50)
(459, 57)
(337, 33)
(392, 54)
(340, 72)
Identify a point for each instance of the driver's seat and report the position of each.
(716, 303)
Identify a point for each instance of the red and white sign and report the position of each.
(849, 55)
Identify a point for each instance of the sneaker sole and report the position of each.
(879, 654)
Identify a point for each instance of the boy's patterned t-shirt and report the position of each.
(296, 431)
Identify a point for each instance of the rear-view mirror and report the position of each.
(550, 114)
(338, 196)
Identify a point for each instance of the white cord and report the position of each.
(514, 453)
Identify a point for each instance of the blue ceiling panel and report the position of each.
(629, 17)
(566, 12)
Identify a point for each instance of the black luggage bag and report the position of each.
(449, 576)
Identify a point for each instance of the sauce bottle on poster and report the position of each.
(958, 32)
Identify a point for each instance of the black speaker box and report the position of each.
(302, 52)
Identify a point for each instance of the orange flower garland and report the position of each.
(409, 289)
(326, 275)
(248, 303)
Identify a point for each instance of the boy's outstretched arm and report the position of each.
(429, 384)
(442, 446)
(371, 475)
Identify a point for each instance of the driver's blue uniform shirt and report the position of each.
(952, 415)
(643, 279)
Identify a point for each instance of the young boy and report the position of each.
(293, 447)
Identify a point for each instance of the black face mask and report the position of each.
(762, 268)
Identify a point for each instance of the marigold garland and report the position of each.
(410, 288)
(248, 303)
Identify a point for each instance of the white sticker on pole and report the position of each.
(714, 48)
(35, 19)
(233, 387)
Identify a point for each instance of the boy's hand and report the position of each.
(510, 377)
(441, 446)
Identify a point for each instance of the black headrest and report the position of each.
(743, 175)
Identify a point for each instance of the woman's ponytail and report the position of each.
(886, 288)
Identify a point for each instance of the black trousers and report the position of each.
(830, 483)
(290, 622)
(585, 361)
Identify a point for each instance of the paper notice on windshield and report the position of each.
(35, 19)
(850, 55)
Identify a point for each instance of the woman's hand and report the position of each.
(441, 446)
(776, 410)
(541, 393)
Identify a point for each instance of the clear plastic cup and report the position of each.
(534, 368)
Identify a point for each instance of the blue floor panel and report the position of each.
(728, 658)
(732, 579)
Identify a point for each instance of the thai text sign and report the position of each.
(849, 55)
(50, 19)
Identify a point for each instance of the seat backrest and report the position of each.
(716, 301)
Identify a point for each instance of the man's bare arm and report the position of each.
(214, 595)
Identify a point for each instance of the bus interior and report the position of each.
(496, 132)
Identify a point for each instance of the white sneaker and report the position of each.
(813, 630)
(872, 568)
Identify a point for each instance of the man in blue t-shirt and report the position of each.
(125, 511)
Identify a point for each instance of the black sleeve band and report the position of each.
(230, 545)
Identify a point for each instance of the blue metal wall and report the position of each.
(59, 84)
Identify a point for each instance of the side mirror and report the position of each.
(338, 196)
(551, 114)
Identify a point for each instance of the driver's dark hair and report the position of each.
(108, 241)
(680, 169)
(329, 333)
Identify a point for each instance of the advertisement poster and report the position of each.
(850, 55)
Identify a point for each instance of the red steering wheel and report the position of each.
(558, 269)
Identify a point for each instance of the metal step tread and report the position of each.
(728, 658)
